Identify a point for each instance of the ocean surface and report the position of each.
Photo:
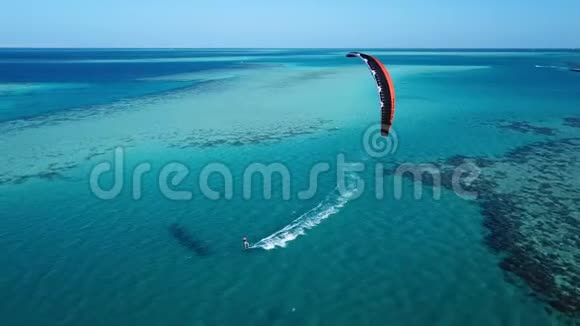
(159, 252)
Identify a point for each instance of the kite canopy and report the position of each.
(385, 86)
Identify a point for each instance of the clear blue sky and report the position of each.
(290, 23)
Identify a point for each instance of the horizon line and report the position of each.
(295, 48)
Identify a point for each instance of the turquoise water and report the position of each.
(70, 258)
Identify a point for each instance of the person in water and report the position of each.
(246, 243)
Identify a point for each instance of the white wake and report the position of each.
(328, 207)
(553, 67)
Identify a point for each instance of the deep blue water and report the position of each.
(122, 78)
(70, 258)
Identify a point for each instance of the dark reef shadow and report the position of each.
(187, 240)
(529, 199)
